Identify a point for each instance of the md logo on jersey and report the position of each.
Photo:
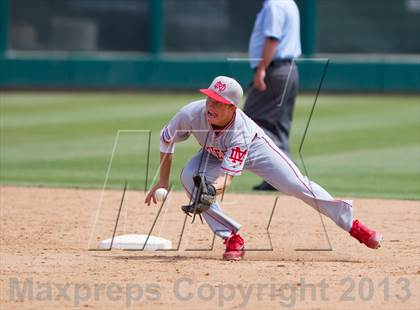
(220, 86)
(237, 155)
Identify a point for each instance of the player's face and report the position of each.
(218, 114)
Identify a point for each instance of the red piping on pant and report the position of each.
(297, 176)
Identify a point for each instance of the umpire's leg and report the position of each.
(272, 109)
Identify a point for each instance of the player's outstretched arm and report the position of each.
(165, 171)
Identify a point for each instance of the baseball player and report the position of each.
(231, 142)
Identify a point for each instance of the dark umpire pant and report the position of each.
(272, 109)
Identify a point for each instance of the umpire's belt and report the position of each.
(280, 62)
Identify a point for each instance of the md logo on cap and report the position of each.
(220, 86)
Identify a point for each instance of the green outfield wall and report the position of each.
(84, 44)
(343, 75)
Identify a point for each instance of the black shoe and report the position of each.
(264, 186)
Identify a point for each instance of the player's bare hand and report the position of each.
(259, 80)
(151, 194)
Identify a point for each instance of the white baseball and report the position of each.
(160, 194)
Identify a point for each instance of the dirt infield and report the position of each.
(45, 262)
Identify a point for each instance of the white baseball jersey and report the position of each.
(230, 145)
(243, 144)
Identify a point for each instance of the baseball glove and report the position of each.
(205, 196)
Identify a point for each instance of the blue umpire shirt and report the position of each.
(277, 19)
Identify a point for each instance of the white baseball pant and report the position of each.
(268, 162)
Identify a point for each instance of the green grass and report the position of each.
(365, 145)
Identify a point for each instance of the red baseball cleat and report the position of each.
(371, 238)
(234, 247)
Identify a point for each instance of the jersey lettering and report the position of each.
(216, 152)
(237, 155)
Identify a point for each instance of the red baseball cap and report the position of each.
(225, 90)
